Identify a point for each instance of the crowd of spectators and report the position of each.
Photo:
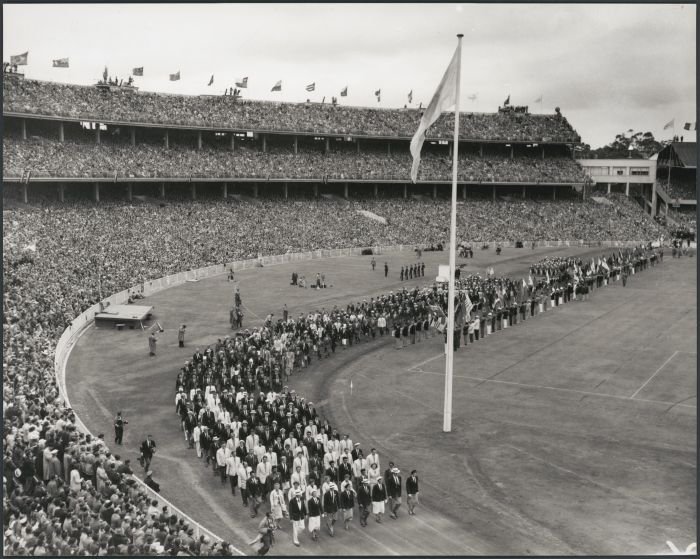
(91, 103)
(680, 188)
(43, 157)
(59, 259)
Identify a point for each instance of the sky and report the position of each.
(610, 68)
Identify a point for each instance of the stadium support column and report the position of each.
(388, 148)
(24, 193)
(609, 186)
(405, 191)
(199, 140)
(554, 193)
(449, 150)
(543, 152)
(627, 190)
(255, 190)
(357, 140)
(328, 146)
(376, 190)
(133, 136)
(61, 134)
(96, 191)
(653, 200)
(493, 193)
(129, 191)
(264, 143)
(286, 190)
(481, 150)
(434, 191)
(345, 191)
(233, 141)
(166, 139)
(296, 145)
(511, 151)
(97, 133)
(316, 190)
(464, 192)
(523, 192)
(61, 192)
(193, 190)
(24, 128)
(224, 188)
(162, 190)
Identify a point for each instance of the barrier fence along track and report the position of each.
(79, 325)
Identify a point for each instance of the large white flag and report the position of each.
(443, 100)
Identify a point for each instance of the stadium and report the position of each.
(148, 244)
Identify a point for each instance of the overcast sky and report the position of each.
(608, 67)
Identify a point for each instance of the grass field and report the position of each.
(573, 433)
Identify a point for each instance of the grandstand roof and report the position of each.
(679, 154)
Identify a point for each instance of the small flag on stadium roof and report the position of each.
(19, 59)
(277, 86)
(378, 92)
(344, 91)
(670, 124)
(686, 126)
(410, 96)
(538, 100)
(311, 87)
(60, 63)
(211, 80)
(507, 101)
(175, 77)
(137, 71)
(243, 82)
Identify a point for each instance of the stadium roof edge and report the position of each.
(36, 116)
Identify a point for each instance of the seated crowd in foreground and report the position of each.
(91, 103)
(53, 272)
(47, 158)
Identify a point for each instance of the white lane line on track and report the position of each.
(418, 365)
(655, 373)
(541, 387)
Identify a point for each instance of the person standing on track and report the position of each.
(386, 269)
(181, 335)
(152, 344)
(148, 449)
(378, 500)
(412, 492)
(374, 263)
(119, 428)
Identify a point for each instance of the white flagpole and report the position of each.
(447, 420)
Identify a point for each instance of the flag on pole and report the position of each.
(547, 272)
(538, 100)
(529, 280)
(443, 99)
(277, 86)
(605, 265)
(19, 59)
(242, 83)
(211, 80)
(507, 101)
(686, 126)
(344, 91)
(137, 71)
(311, 87)
(410, 96)
(378, 93)
(670, 124)
(175, 77)
(60, 63)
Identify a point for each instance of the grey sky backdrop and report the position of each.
(608, 67)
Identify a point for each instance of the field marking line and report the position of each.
(585, 478)
(418, 365)
(526, 385)
(655, 373)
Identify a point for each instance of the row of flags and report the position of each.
(672, 124)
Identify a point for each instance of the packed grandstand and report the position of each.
(68, 494)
